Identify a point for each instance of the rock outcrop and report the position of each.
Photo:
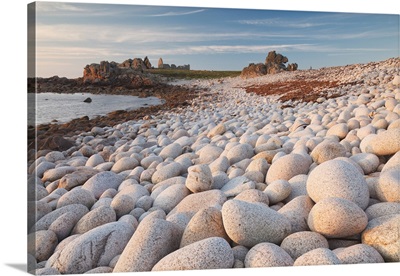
(162, 65)
(129, 73)
(274, 63)
(147, 62)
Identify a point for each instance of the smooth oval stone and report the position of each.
(170, 197)
(337, 178)
(336, 217)
(253, 196)
(41, 244)
(76, 178)
(258, 165)
(100, 269)
(210, 253)
(106, 201)
(94, 160)
(209, 153)
(393, 163)
(297, 211)
(318, 256)
(124, 164)
(299, 243)
(152, 240)
(217, 130)
(367, 161)
(129, 219)
(267, 255)
(191, 204)
(166, 172)
(77, 161)
(147, 161)
(77, 196)
(47, 271)
(380, 235)
(102, 181)
(206, 223)
(161, 186)
(298, 185)
(327, 150)
(199, 178)
(382, 209)
(219, 180)
(394, 124)
(63, 225)
(220, 164)
(384, 143)
(145, 202)
(359, 254)
(339, 130)
(122, 204)
(96, 217)
(110, 193)
(248, 224)
(388, 187)
(114, 261)
(37, 210)
(54, 156)
(56, 173)
(278, 190)
(287, 167)
(92, 249)
(135, 191)
(44, 223)
(172, 150)
(237, 185)
(106, 166)
(239, 152)
(42, 167)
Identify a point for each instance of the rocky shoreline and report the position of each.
(291, 169)
(42, 136)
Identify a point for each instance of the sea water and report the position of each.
(46, 107)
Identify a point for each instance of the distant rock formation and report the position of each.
(128, 73)
(162, 65)
(274, 63)
(147, 62)
(254, 70)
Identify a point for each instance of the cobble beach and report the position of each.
(291, 169)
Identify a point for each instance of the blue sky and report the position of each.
(71, 35)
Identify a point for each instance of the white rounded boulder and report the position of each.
(318, 256)
(380, 234)
(287, 167)
(267, 255)
(199, 178)
(337, 178)
(301, 242)
(384, 143)
(388, 187)
(248, 224)
(337, 218)
(327, 150)
(210, 253)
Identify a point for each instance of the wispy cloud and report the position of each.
(58, 7)
(176, 13)
(124, 34)
(118, 55)
(277, 22)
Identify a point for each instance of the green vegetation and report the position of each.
(193, 74)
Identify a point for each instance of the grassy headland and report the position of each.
(193, 74)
